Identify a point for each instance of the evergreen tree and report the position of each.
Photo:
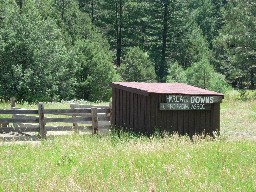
(174, 35)
(202, 74)
(91, 52)
(176, 74)
(137, 66)
(235, 47)
(33, 69)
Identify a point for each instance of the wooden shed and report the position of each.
(172, 107)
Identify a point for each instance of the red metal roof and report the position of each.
(163, 88)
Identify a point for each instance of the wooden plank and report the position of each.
(158, 118)
(131, 107)
(19, 129)
(208, 122)
(65, 128)
(191, 123)
(75, 111)
(215, 118)
(136, 114)
(42, 130)
(153, 112)
(203, 123)
(121, 108)
(143, 113)
(186, 122)
(85, 115)
(73, 106)
(180, 123)
(110, 114)
(12, 120)
(128, 108)
(13, 102)
(81, 106)
(25, 125)
(197, 122)
(124, 112)
(162, 119)
(117, 108)
(147, 117)
(18, 111)
(113, 116)
(18, 116)
(167, 118)
(175, 121)
(95, 126)
(74, 114)
(66, 111)
(68, 120)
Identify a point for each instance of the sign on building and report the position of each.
(186, 102)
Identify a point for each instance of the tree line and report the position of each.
(65, 49)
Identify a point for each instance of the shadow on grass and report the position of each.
(20, 138)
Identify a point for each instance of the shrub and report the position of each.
(176, 74)
(202, 74)
(137, 66)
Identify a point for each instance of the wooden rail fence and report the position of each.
(38, 120)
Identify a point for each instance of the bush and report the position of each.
(95, 71)
(34, 60)
(176, 74)
(202, 74)
(137, 66)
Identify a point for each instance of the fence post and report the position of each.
(94, 120)
(110, 112)
(12, 102)
(75, 125)
(42, 130)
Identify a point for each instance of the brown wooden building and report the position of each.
(173, 107)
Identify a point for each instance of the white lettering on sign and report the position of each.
(184, 106)
(195, 99)
(192, 99)
(177, 99)
(189, 102)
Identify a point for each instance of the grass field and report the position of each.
(109, 163)
(238, 118)
(128, 163)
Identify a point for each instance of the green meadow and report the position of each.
(130, 163)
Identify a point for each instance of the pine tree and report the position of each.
(235, 47)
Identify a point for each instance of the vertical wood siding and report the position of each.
(141, 114)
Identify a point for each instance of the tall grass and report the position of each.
(129, 163)
(112, 163)
(238, 118)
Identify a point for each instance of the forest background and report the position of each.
(64, 49)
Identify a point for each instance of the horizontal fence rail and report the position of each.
(26, 120)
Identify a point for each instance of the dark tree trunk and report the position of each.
(163, 64)
(92, 11)
(252, 84)
(62, 9)
(119, 15)
(20, 3)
